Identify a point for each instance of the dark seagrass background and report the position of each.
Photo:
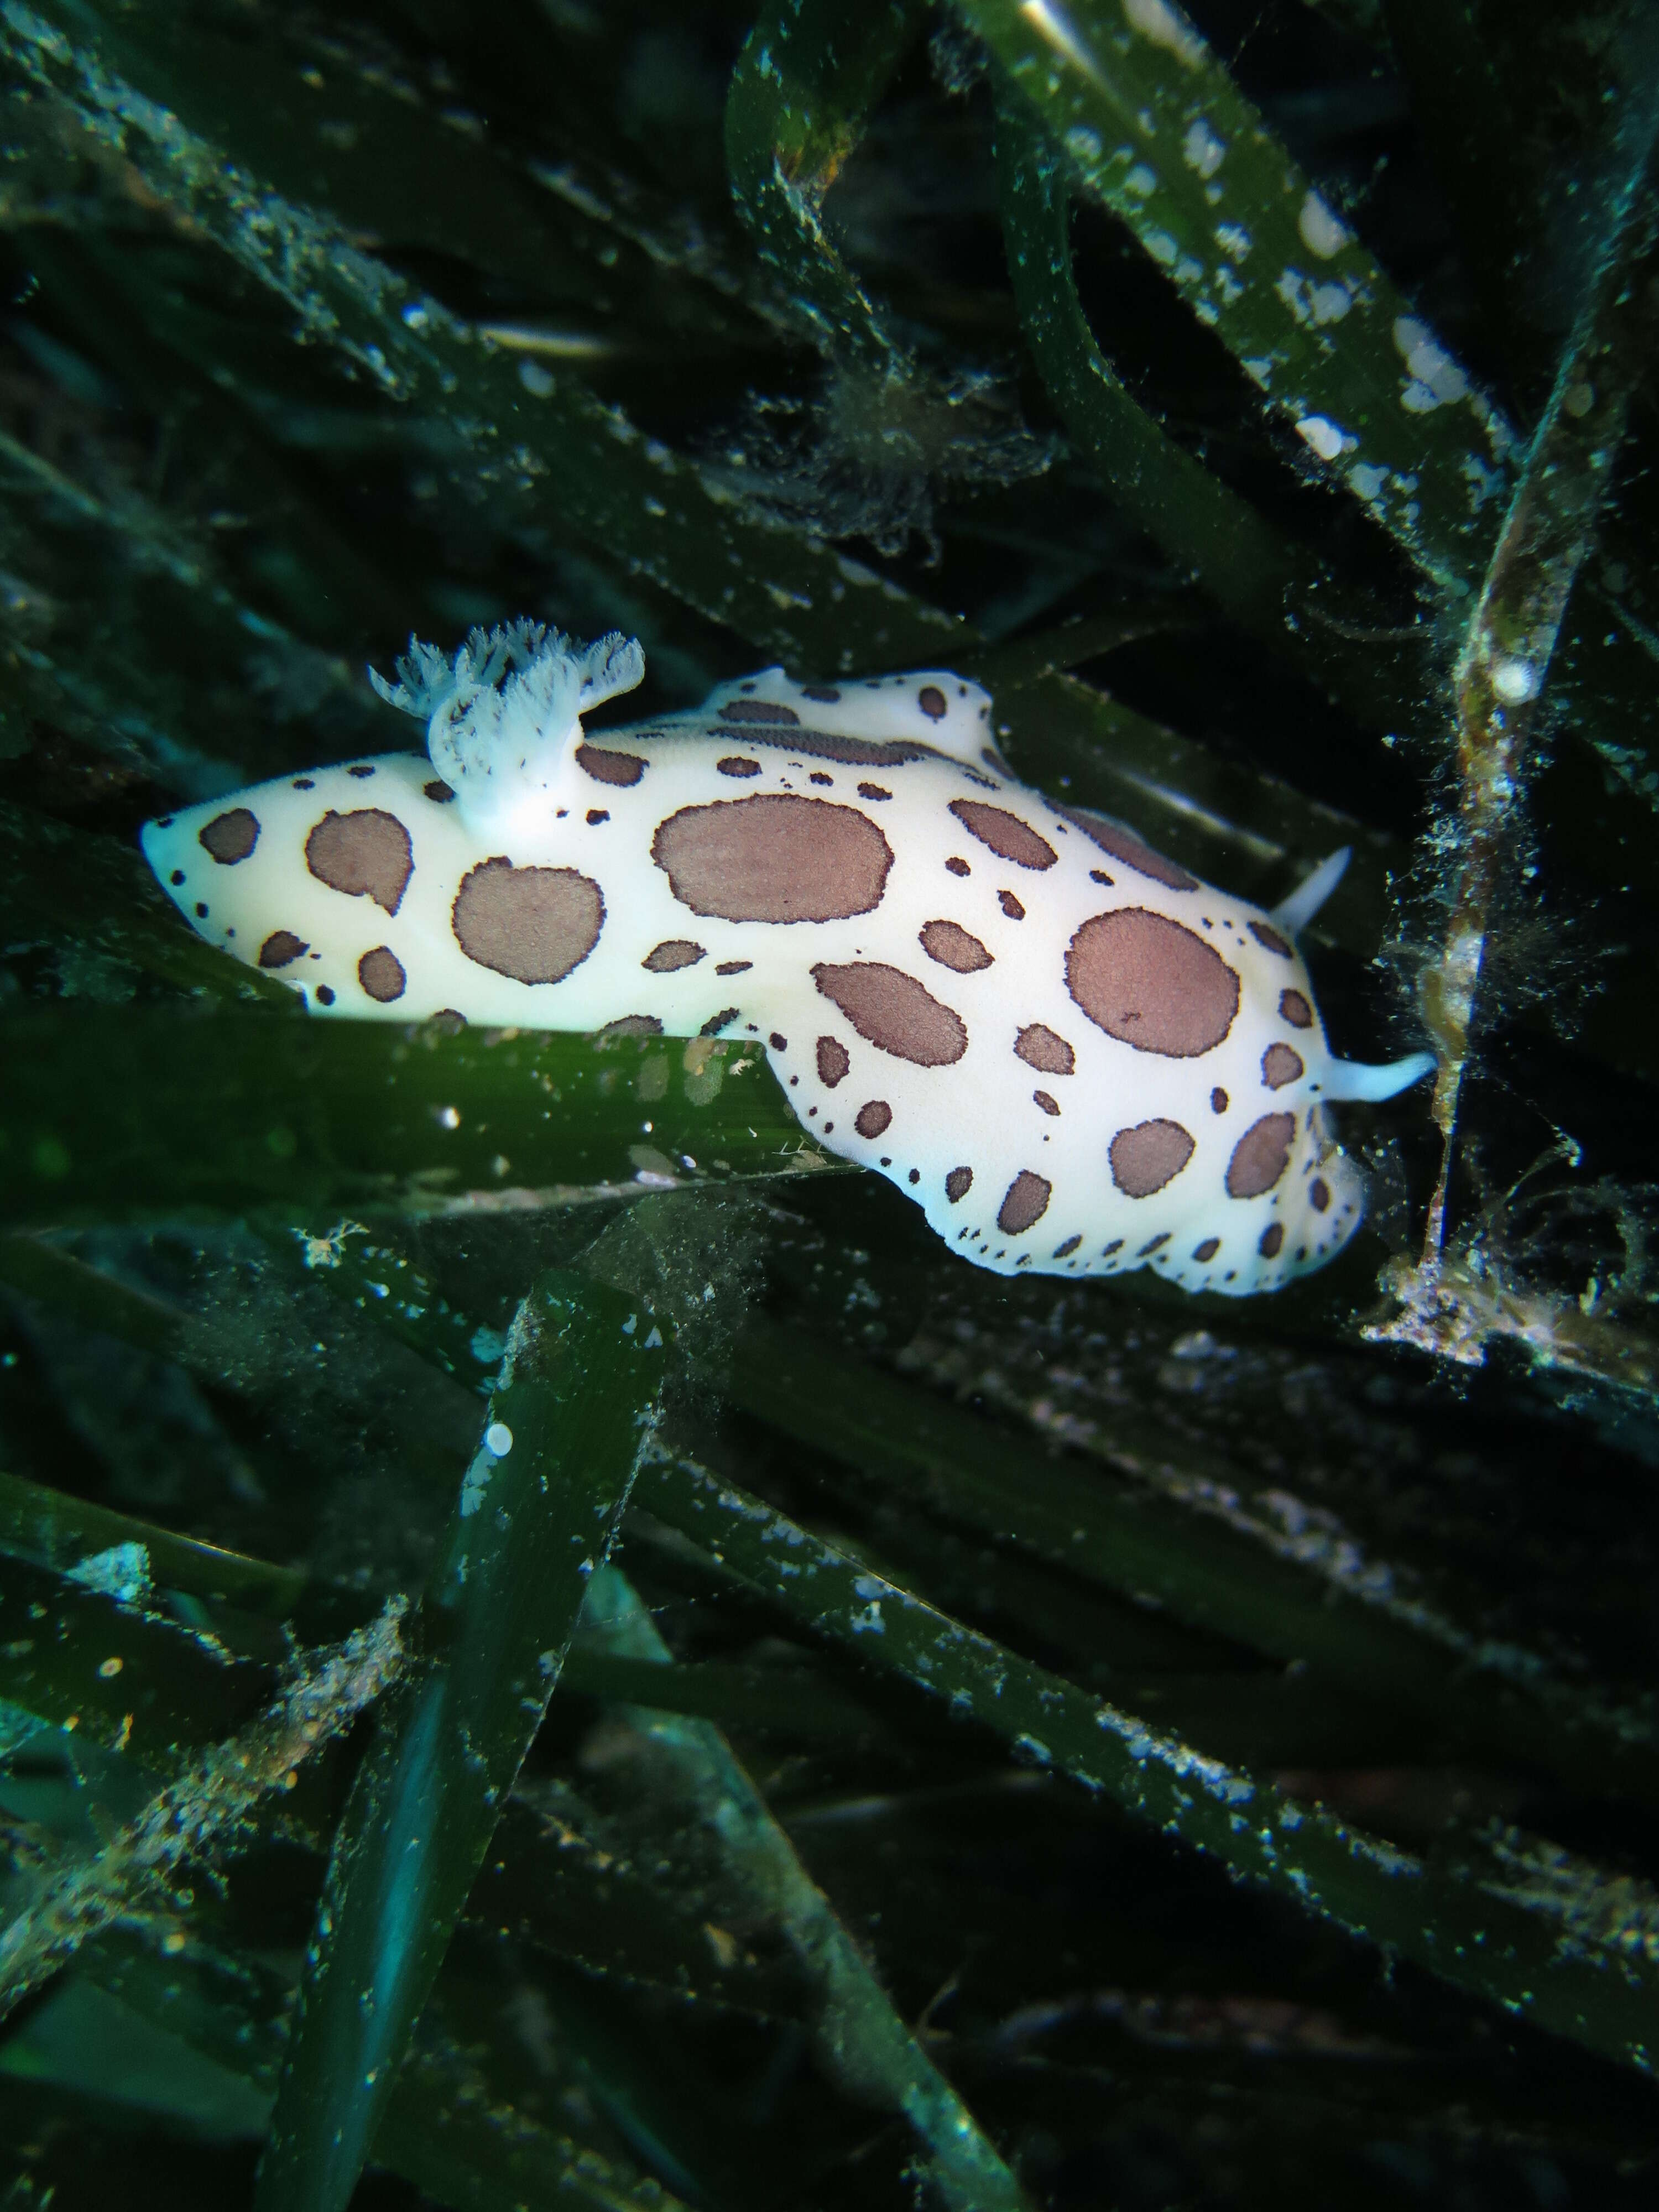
(884, 1735)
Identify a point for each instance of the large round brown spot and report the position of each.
(381, 975)
(931, 701)
(533, 924)
(1295, 1009)
(1045, 1049)
(1148, 1156)
(230, 837)
(1124, 846)
(366, 854)
(279, 947)
(1008, 837)
(1260, 1156)
(774, 859)
(673, 952)
(1280, 1066)
(873, 1118)
(892, 1012)
(1151, 983)
(833, 1060)
(958, 1183)
(1024, 1203)
(1265, 934)
(607, 767)
(953, 947)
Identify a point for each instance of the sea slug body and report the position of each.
(1074, 1056)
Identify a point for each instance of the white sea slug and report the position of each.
(1073, 1055)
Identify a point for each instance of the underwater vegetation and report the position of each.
(555, 1645)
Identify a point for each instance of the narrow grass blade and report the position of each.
(537, 1510)
(130, 1109)
(860, 2039)
(962, 1469)
(1460, 1930)
(1156, 129)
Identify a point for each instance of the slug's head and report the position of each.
(504, 713)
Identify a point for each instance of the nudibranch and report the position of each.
(1073, 1055)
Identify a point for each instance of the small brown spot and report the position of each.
(596, 815)
(818, 776)
(1070, 1245)
(833, 1060)
(1294, 1009)
(366, 854)
(533, 924)
(931, 699)
(1151, 983)
(1011, 906)
(447, 1022)
(1319, 1194)
(758, 710)
(1280, 1066)
(717, 1023)
(732, 967)
(1008, 837)
(1044, 1048)
(1148, 1156)
(874, 791)
(325, 995)
(1107, 1250)
(672, 953)
(177, 877)
(825, 694)
(736, 764)
(627, 1025)
(1048, 1105)
(1024, 1203)
(201, 910)
(607, 767)
(438, 792)
(230, 837)
(1207, 1249)
(893, 1013)
(279, 947)
(777, 1042)
(1260, 1156)
(953, 947)
(1218, 1100)
(1123, 845)
(1271, 1238)
(873, 1117)
(774, 859)
(1265, 933)
(381, 975)
(360, 770)
(914, 1175)
(958, 1183)
(956, 864)
(1156, 1244)
(300, 783)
